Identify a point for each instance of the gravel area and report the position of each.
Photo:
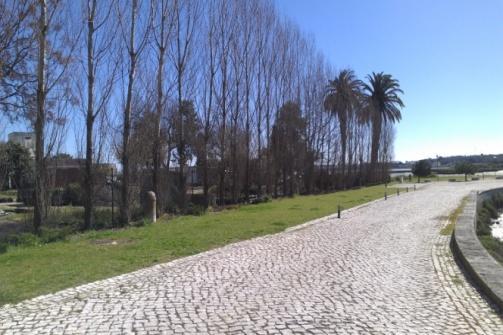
(382, 268)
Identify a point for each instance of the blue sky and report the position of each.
(448, 56)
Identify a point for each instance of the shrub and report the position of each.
(141, 223)
(57, 196)
(260, 200)
(103, 218)
(65, 216)
(27, 239)
(483, 224)
(199, 199)
(497, 200)
(53, 235)
(491, 210)
(26, 196)
(3, 247)
(488, 210)
(72, 194)
(193, 209)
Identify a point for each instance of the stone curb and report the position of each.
(486, 272)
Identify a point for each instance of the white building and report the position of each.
(25, 139)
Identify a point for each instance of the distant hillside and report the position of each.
(482, 162)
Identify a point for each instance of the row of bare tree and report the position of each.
(228, 87)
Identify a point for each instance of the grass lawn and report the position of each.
(28, 271)
(8, 194)
(494, 246)
(457, 177)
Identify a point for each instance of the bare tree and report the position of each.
(51, 85)
(225, 31)
(134, 40)
(100, 71)
(162, 32)
(16, 45)
(186, 14)
(208, 91)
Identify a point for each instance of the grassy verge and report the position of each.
(488, 211)
(26, 272)
(494, 246)
(8, 194)
(453, 218)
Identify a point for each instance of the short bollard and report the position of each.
(407, 189)
(151, 206)
(397, 191)
(338, 211)
(414, 187)
(385, 196)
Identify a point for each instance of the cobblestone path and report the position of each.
(381, 269)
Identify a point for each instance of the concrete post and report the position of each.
(151, 206)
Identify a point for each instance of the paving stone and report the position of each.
(381, 269)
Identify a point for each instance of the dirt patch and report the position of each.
(109, 241)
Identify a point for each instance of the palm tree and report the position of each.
(342, 98)
(383, 104)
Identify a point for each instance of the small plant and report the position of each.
(193, 209)
(3, 247)
(141, 223)
(53, 235)
(27, 239)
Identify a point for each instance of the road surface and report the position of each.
(381, 269)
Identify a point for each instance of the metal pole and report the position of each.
(385, 196)
(397, 191)
(407, 189)
(112, 185)
(338, 211)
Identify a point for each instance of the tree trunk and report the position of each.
(40, 177)
(376, 136)
(343, 124)
(156, 154)
(88, 176)
(125, 215)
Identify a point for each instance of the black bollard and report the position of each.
(338, 211)
(385, 196)
(397, 191)
(407, 189)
